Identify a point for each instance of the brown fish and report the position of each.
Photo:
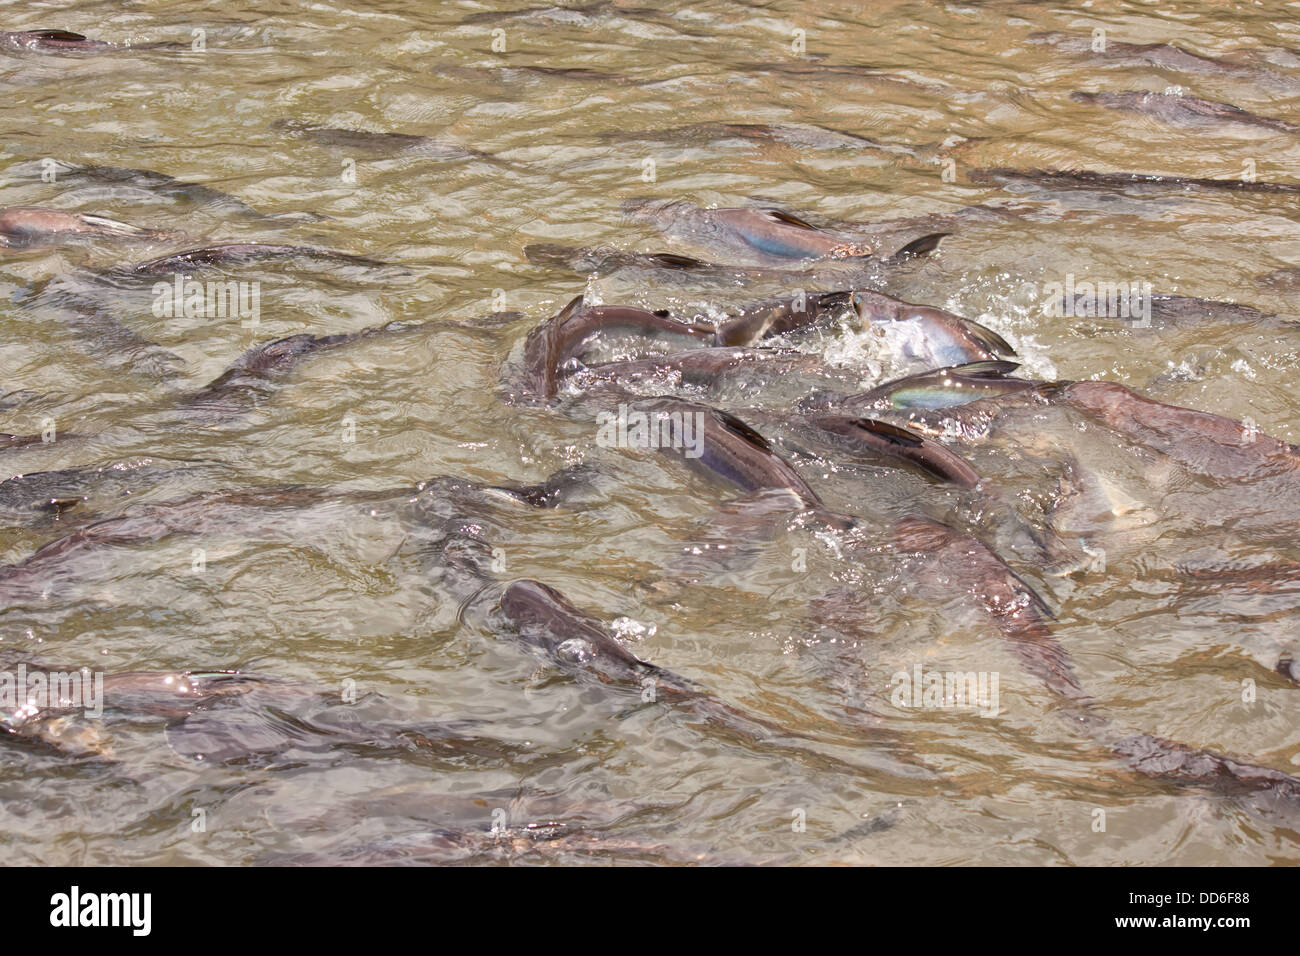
(1127, 182)
(366, 140)
(563, 337)
(64, 41)
(239, 253)
(900, 444)
(28, 227)
(1180, 110)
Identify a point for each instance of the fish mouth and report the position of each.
(850, 250)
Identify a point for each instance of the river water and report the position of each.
(580, 111)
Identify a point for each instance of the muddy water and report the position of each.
(350, 599)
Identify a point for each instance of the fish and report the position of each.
(251, 379)
(73, 301)
(562, 338)
(920, 332)
(1163, 56)
(953, 560)
(574, 74)
(1208, 444)
(53, 721)
(1224, 449)
(30, 227)
(435, 502)
(796, 136)
(928, 334)
(782, 235)
(900, 444)
(1229, 775)
(766, 235)
(579, 643)
(301, 720)
(369, 141)
(950, 558)
(705, 368)
(728, 447)
(750, 324)
(1283, 280)
(19, 441)
(64, 41)
(604, 261)
(88, 302)
(58, 492)
(220, 716)
(1163, 311)
(1135, 183)
(151, 183)
(239, 253)
(1178, 109)
(941, 388)
(543, 618)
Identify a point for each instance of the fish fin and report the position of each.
(734, 424)
(574, 305)
(550, 254)
(921, 247)
(57, 35)
(115, 225)
(673, 261)
(834, 300)
(989, 339)
(790, 220)
(993, 368)
(548, 494)
(893, 433)
(1035, 598)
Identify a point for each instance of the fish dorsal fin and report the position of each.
(735, 425)
(893, 433)
(921, 247)
(674, 261)
(574, 305)
(57, 35)
(113, 224)
(789, 219)
(994, 368)
(988, 338)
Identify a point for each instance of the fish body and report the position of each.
(27, 227)
(764, 235)
(240, 253)
(67, 42)
(927, 334)
(369, 141)
(1127, 182)
(942, 388)
(902, 445)
(1181, 110)
(726, 446)
(564, 337)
